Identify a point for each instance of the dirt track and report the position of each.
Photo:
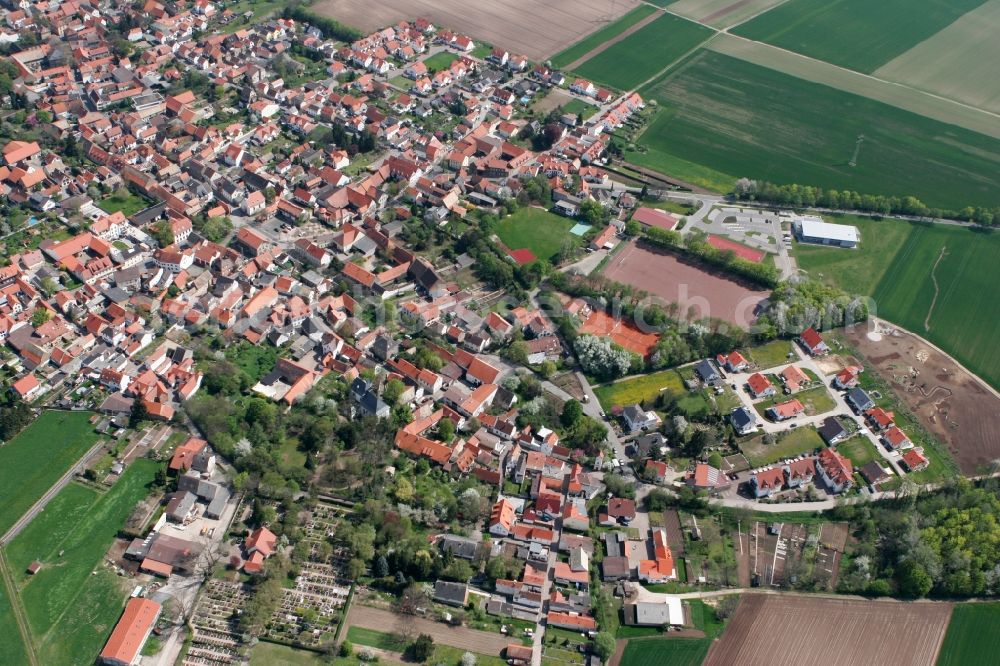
(816, 630)
(950, 402)
(535, 28)
(462, 638)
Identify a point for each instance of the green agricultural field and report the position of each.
(12, 649)
(644, 53)
(123, 201)
(36, 458)
(857, 270)
(972, 636)
(639, 389)
(440, 61)
(895, 265)
(540, 231)
(70, 610)
(789, 445)
(595, 39)
(857, 34)
(658, 651)
(719, 13)
(719, 115)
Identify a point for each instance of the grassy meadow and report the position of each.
(639, 389)
(857, 34)
(70, 610)
(540, 231)
(37, 457)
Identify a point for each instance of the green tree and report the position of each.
(571, 413)
(421, 649)
(138, 414)
(392, 391)
(446, 429)
(604, 645)
(40, 316)
(913, 580)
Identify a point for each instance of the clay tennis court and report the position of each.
(621, 332)
(811, 630)
(706, 293)
(535, 28)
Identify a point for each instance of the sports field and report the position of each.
(538, 230)
(972, 636)
(660, 650)
(935, 280)
(36, 458)
(741, 119)
(857, 34)
(644, 53)
(958, 63)
(595, 39)
(70, 610)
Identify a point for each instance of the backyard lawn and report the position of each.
(440, 61)
(580, 108)
(538, 230)
(36, 458)
(859, 450)
(639, 389)
(123, 201)
(816, 401)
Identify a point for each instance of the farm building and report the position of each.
(814, 230)
(131, 632)
(653, 614)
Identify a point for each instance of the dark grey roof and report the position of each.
(450, 593)
(706, 371)
(831, 429)
(459, 546)
(741, 417)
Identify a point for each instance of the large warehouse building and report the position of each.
(815, 230)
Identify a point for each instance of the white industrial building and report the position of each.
(815, 230)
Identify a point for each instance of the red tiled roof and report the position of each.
(130, 633)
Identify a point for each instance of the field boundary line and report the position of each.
(681, 58)
(937, 288)
(989, 120)
(17, 609)
(604, 46)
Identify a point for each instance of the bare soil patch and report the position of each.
(951, 403)
(531, 27)
(874, 633)
(695, 288)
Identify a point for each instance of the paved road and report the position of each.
(39, 506)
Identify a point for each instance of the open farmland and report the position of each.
(597, 39)
(721, 13)
(644, 53)
(972, 636)
(941, 285)
(70, 610)
(36, 458)
(958, 63)
(535, 29)
(737, 118)
(857, 34)
(934, 280)
(678, 280)
(864, 632)
(12, 648)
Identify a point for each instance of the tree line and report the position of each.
(807, 196)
